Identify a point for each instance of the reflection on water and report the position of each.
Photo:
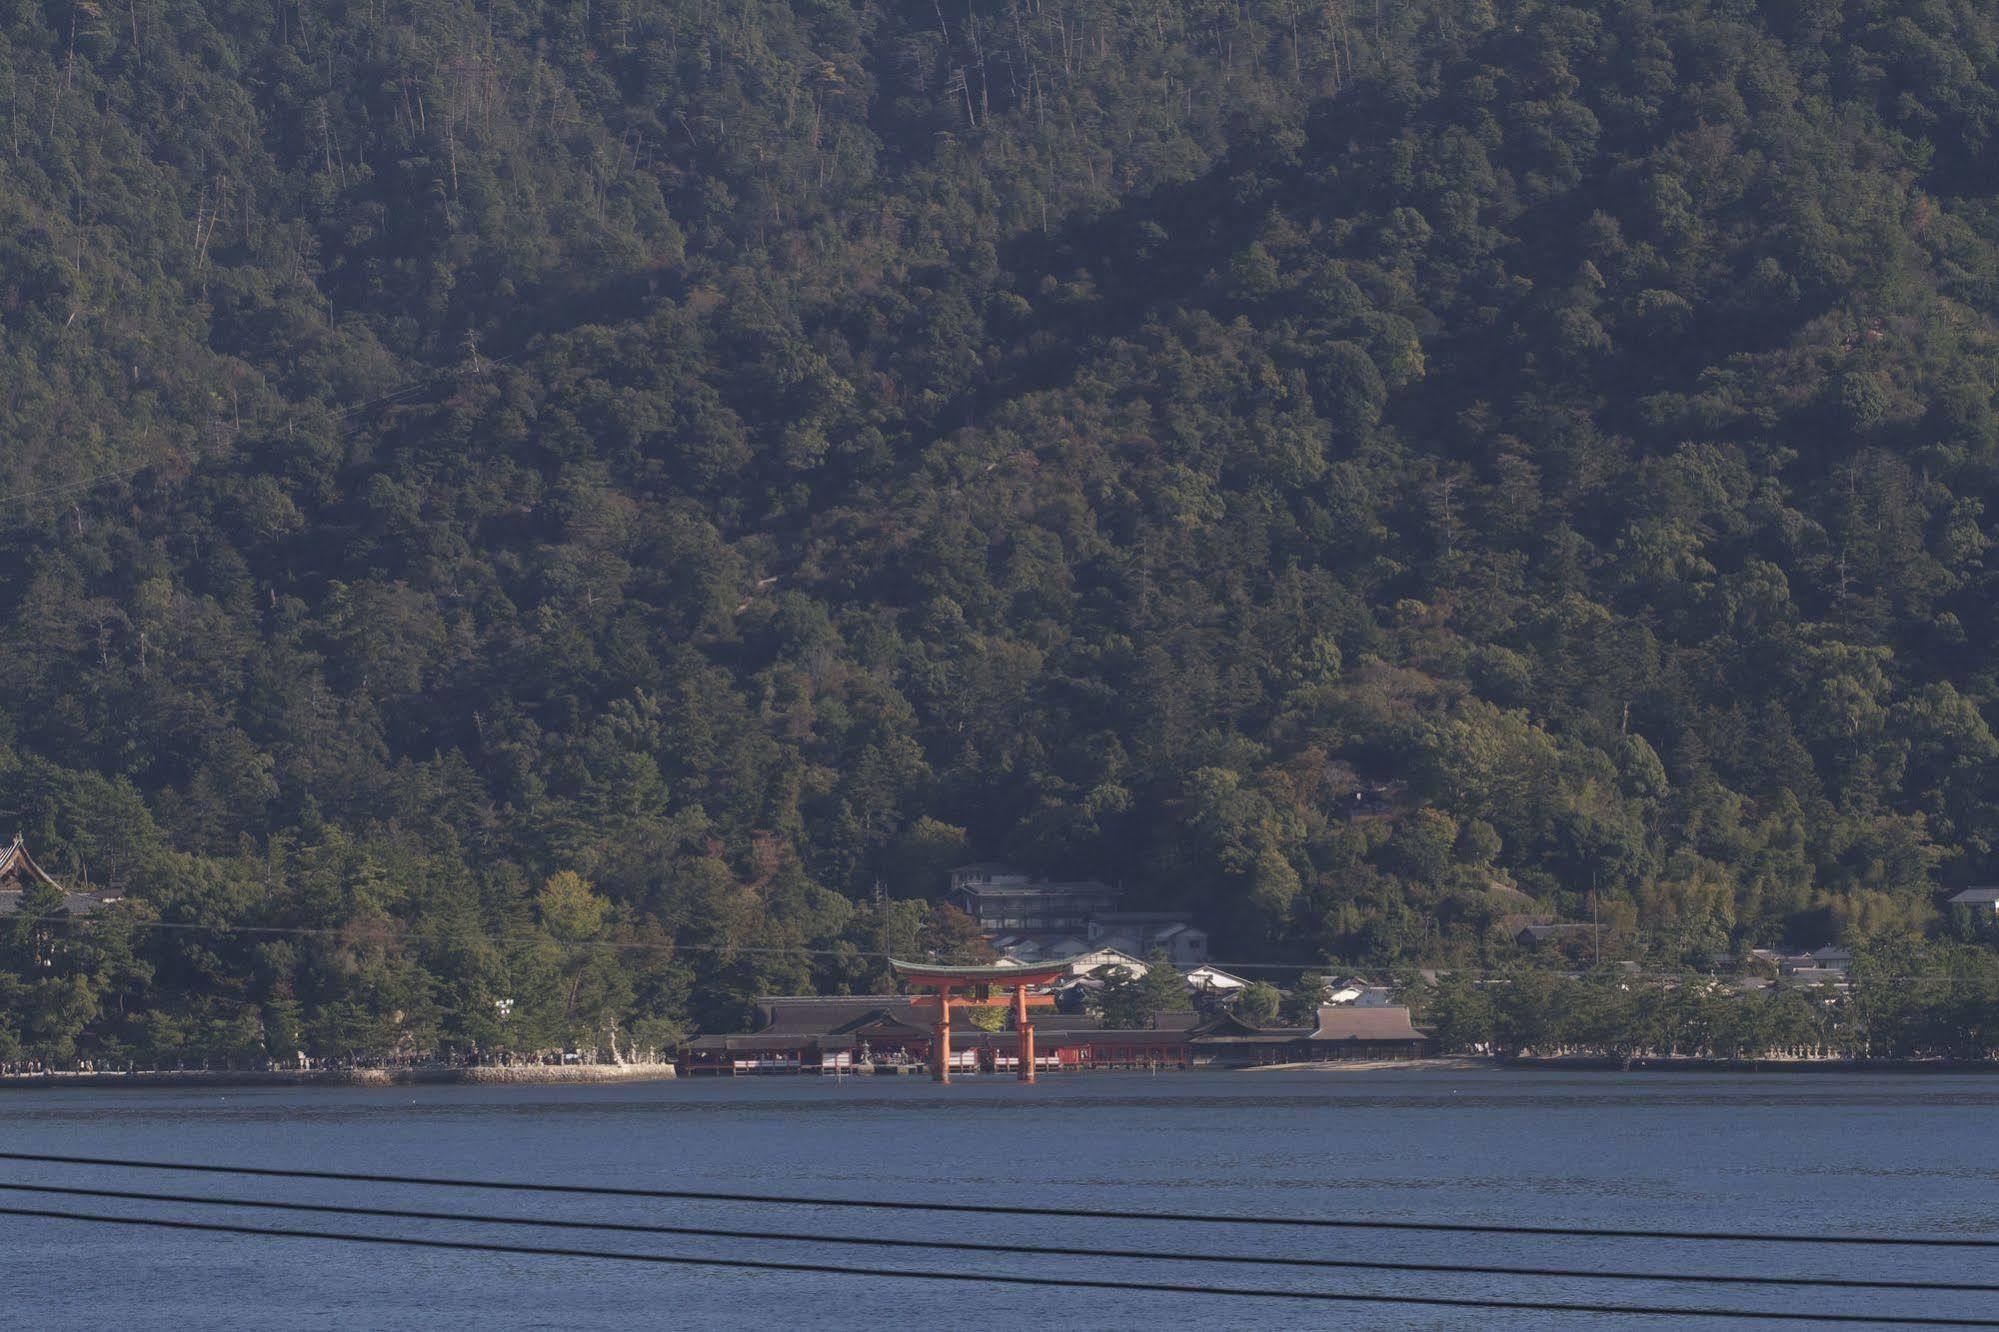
(1790, 1153)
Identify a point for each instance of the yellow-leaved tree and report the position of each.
(570, 909)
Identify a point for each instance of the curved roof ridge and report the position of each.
(15, 862)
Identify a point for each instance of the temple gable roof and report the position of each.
(18, 869)
(1229, 1024)
(889, 1027)
(19, 874)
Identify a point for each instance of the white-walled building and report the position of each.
(1084, 964)
(1029, 919)
(1146, 932)
(1210, 977)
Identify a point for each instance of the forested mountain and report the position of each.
(493, 480)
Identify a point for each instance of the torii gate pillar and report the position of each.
(1024, 1032)
(940, 1049)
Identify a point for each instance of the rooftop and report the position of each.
(20, 867)
(1978, 896)
(1341, 1022)
(1009, 974)
(20, 874)
(793, 1015)
(1042, 888)
(1558, 930)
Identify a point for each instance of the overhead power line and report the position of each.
(1000, 1279)
(981, 1246)
(1002, 1209)
(363, 933)
(82, 483)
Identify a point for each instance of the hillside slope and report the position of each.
(741, 454)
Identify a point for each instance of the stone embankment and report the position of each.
(418, 1075)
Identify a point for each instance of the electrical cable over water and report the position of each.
(981, 1246)
(1007, 1209)
(1049, 1282)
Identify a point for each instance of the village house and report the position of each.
(1359, 992)
(1808, 977)
(986, 874)
(1031, 920)
(1375, 800)
(1984, 901)
(1020, 949)
(1213, 980)
(1784, 962)
(1556, 933)
(1147, 932)
(1206, 984)
(1088, 973)
(1097, 959)
(1001, 898)
(1831, 962)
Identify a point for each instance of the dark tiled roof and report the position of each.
(1064, 1021)
(1343, 1022)
(757, 1043)
(1043, 888)
(1234, 1029)
(1264, 1036)
(1080, 1028)
(1558, 930)
(894, 1029)
(74, 904)
(810, 1015)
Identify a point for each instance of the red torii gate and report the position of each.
(980, 981)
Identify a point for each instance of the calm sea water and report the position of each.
(1908, 1155)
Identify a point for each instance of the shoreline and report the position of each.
(521, 1075)
(1646, 1064)
(1442, 1063)
(1700, 1064)
(550, 1075)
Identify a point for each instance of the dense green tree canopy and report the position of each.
(738, 455)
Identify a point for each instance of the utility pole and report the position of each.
(1595, 930)
(881, 922)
